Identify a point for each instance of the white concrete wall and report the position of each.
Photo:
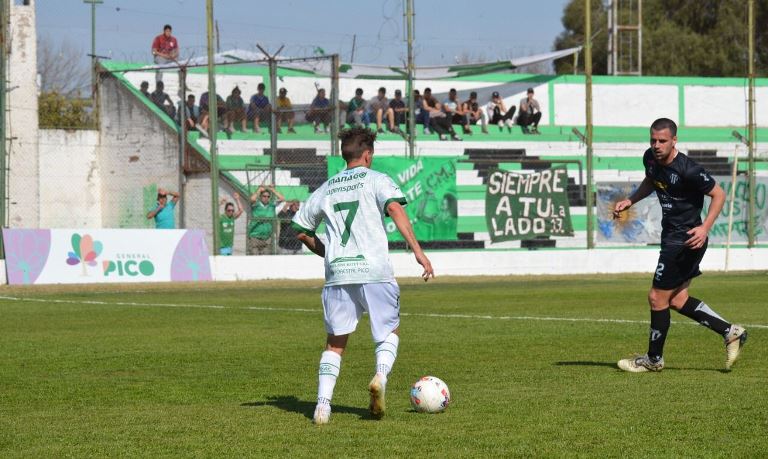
(70, 179)
(22, 124)
(723, 106)
(480, 263)
(615, 105)
(138, 153)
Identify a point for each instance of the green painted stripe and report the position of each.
(401, 201)
(387, 350)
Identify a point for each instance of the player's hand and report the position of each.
(620, 207)
(698, 237)
(428, 271)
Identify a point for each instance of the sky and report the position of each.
(445, 29)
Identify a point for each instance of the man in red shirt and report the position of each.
(165, 49)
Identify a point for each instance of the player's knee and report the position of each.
(657, 301)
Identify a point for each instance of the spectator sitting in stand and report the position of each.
(204, 109)
(259, 108)
(284, 111)
(165, 50)
(319, 112)
(189, 113)
(498, 113)
(144, 89)
(454, 111)
(438, 121)
(399, 110)
(422, 116)
(473, 113)
(378, 109)
(288, 243)
(235, 111)
(162, 100)
(530, 114)
(357, 115)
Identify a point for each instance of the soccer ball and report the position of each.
(430, 395)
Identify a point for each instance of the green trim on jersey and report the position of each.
(401, 201)
(301, 229)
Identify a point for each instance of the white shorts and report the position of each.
(343, 305)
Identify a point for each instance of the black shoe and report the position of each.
(456, 138)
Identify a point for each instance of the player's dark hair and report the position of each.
(167, 27)
(664, 123)
(228, 206)
(354, 141)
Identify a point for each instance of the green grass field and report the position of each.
(229, 370)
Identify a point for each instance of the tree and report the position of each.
(58, 112)
(62, 67)
(680, 37)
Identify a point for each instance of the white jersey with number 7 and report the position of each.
(353, 205)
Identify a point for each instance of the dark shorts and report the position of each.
(677, 264)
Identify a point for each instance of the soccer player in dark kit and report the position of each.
(680, 185)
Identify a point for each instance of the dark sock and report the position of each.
(698, 310)
(659, 328)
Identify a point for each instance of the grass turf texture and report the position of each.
(93, 379)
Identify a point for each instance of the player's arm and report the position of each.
(645, 188)
(699, 234)
(151, 214)
(396, 211)
(313, 243)
(175, 194)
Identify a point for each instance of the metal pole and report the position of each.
(640, 37)
(751, 214)
(409, 86)
(273, 117)
(588, 78)
(213, 127)
(352, 55)
(335, 104)
(182, 142)
(5, 8)
(734, 170)
(93, 51)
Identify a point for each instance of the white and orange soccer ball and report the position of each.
(430, 395)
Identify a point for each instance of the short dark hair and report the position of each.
(167, 27)
(427, 90)
(452, 90)
(382, 89)
(228, 205)
(473, 95)
(159, 84)
(665, 123)
(354, 141)
(530, 91)
(161, 195)
(144, 83)
(359, 91)
(261, 86)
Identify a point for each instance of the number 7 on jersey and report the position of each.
(351, 207)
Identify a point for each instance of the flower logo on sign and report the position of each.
(84, 251)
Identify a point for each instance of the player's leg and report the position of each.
(340, 316)
(382, 301)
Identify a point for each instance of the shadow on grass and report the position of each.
(292, 404)
(586, 363)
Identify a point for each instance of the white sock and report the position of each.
(330, 364)
(386, 353)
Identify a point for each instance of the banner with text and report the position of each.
(527, 205)
(719, 231)
(61, 256)
(429, 185)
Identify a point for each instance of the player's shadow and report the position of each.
(292, 404)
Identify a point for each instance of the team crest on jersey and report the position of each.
(673, 178)
(705, 176)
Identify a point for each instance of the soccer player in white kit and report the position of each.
(358, 273)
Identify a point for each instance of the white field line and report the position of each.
(318, 311)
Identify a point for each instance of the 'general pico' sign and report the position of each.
(85, 256)
(527, 205)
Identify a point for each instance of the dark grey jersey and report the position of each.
(680, 187)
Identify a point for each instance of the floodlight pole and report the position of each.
(213, 127)
(409, 86)
(93, 4)
(751, 131)
(588, 82)
(5, 9)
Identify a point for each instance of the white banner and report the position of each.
(62, 256)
